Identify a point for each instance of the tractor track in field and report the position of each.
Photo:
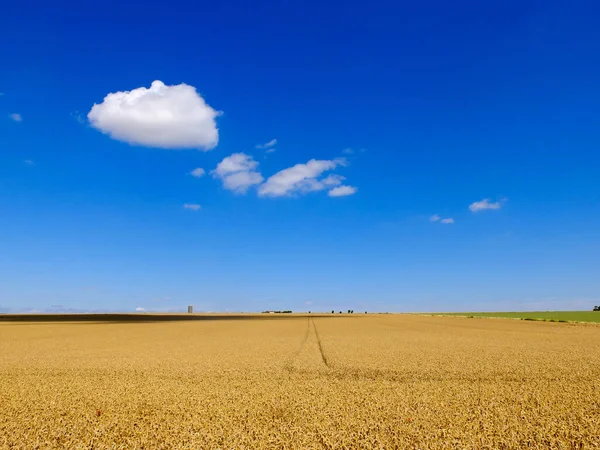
(323, 357)
(309, 355)
(289, 364)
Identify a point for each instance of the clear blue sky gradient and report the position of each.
(453, 102)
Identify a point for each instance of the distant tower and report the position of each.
(190, 309)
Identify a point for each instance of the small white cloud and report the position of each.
(342, 191)
(484, 204)
(270, 150)
(192, 206)
(140, 309)
(238, 172)
(29, 162)
(348, 151)
(437, 218)
(269, 144)
(302, 178)
(198, 172)
(332, 180)
(16, 117)
(236, 162)
(160, 116)
(239, 182)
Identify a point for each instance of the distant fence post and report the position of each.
(190, 309)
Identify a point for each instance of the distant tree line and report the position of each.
(596, 308)
(287, 311)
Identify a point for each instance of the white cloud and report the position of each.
(198, 172)
(301, 178)
(484, 204)
(332, 180)
(161, 116)
(16, 117)
(348, 151)
(192, 206)
(236, 162)
(269, 144)
(239, 182)
(342, 191)
(29, 162)
(437, 218)
(140, 309)
(238, 172)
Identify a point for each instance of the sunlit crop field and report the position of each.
(388, 381)
(549, 316)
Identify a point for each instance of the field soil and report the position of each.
(300, 382)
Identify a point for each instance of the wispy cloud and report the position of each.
(302, 178)
(352, 151)
(29, 162)
(198, 172)
(78, 117)
(192, 206)
(437, 218)
(269, 144)
(485, 204)
(16, 117)
(140, 309)
(238, 173)
(342, 191)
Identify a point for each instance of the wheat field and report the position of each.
(299, 382)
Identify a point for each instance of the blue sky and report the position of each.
(413, 112)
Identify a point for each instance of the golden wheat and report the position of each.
(389, 381)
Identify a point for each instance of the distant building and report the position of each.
(190, 309)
